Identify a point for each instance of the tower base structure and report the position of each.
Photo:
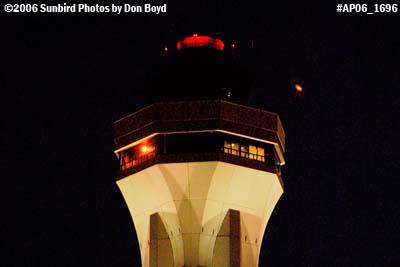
(200, 213)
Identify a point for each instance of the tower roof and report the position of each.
(200, 41)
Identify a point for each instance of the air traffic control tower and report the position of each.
(199, 170)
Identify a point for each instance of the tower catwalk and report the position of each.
(200, 175)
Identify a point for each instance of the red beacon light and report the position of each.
(200, 41)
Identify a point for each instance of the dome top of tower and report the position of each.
(200, 41)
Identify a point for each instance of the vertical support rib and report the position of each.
(234, 238)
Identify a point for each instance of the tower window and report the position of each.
(244, 150)
(195, 143)
(231, 148)
(136, 155)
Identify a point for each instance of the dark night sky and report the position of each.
(66, 77)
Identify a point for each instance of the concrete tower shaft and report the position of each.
(192, 200)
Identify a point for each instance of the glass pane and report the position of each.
(244, 151)
(235, 149)
(253, 152)
(260, 154)
(227, 147)
(227, 144)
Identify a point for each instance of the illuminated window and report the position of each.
(136, 155)
(260, 154)
(257, 153)
(253, 152)
(146, 149)
(231, 148)
(227, 147)
(244, 150)
(127, 159)
(235, 149)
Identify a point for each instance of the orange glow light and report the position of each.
(298, 88)
(145, 149)
(165, 49)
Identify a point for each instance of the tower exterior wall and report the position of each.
(192, 200)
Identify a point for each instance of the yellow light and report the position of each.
(145, 149)
(298, 88)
